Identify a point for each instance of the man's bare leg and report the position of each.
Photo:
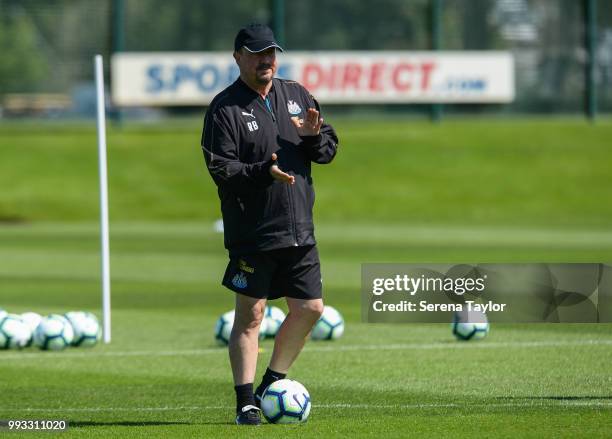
(243, 350)
(244, 339)
(290, 339)
(292, 334)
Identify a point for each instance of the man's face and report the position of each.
(257, 68)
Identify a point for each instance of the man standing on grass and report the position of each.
(260, 136)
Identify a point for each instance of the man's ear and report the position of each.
(236, 55)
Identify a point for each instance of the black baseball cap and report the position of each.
(255, 38)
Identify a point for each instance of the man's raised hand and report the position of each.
(309, 126)
(277, 174)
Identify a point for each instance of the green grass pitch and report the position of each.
(497, 191)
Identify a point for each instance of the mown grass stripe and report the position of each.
(329, 348)
(547, 403)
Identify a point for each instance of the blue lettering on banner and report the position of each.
(207, 77)
(463, 84)
(182, 73)
(155, 83)
(284, 71)
(232, 74)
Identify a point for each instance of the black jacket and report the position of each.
(240, 134)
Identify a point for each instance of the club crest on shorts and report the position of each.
(293, 108)
(240, 281)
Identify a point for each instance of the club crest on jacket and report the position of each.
(293, 108)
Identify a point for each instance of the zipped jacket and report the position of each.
(241, 131)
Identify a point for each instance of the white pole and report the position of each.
(104, 247)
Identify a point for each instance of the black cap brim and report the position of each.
(260, 46)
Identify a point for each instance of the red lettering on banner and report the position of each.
(334, 76)
(352, 75)
(375, 76)
(397, 75)
(369, 78)
(426, 69)
(313, 77)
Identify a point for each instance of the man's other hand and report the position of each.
(309, 126)
(277, 174)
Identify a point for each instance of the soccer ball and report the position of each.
(330, 326)
(31, 319)
(53, 333)
(14, 333)
(3, 313)
(285, 402)
(85, 327)
(223, 328)
(470, 326)
(274, 318)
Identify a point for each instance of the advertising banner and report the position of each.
(149, 79)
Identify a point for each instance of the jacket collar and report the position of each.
(243, 86)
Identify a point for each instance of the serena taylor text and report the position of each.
(423, 305)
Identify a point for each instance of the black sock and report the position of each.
(269, 377)
(244, 396)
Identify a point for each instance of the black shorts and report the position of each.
(287, 272)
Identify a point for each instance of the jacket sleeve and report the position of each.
(323, 147)
(222, 158)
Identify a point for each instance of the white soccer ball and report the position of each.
(87, 331)
(330, 326)
(223, 328)
(31, 319)
(53, 333)
(274, 317)
(286, 402)
(3, 313)
(14, 333)
(470, 325)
